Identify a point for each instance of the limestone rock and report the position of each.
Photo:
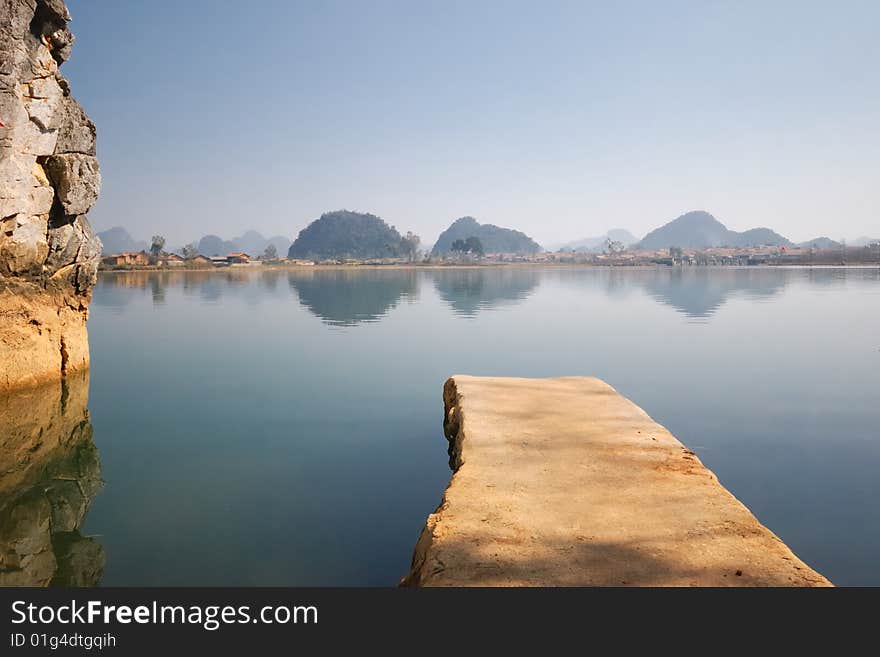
(80, 560)
(77, 133)
(43, 101)
(73, 242)
(76, 180)
(57, 9)
(49, 179)
(22, 243)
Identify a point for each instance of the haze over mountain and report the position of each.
(345, 234)
(597, 243)
(252, 243)
(118, 240)
(699, 229)
(695, 105)
(493, 238)
(821, 243)
(214, 245)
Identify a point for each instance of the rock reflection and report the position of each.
(347, 297)
(49, 474)
(469, 291)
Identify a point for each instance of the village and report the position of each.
(147, 260)
(673, 256)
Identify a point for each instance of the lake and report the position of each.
(284, 426)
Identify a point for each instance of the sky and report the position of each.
(560, 119)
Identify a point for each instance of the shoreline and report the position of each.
(499, 265)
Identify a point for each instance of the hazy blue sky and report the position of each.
(562, 119)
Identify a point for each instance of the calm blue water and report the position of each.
(284, 427)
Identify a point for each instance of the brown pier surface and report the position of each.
(564, 482)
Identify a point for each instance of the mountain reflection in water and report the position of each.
(345, 297)
(352, 296)
(468, 291)
(699, 292)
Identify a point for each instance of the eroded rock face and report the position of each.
(49, 180)
(49, 475)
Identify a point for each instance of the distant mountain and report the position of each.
(699, 229)
(117, 240)
(597, 243)
(254, 243)
(759, 237)
(345, 234)
(493, 238)
(821, 243)
(213, 245)
(251, 242)
(281, 243)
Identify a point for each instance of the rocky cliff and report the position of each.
(49, 180)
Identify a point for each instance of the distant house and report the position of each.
(219, 261)
(130, 258)
(171, 260)
(200, 260)
(238, 258)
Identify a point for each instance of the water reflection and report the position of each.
(699, 292)
(269, 279)
(346, 297)
(49, 475)
(468, 291)
(208, 285)
(258, 402)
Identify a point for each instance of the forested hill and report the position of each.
(699, 229)
(345, 234)
(493, 238)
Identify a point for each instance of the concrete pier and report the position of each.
(564, 482)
